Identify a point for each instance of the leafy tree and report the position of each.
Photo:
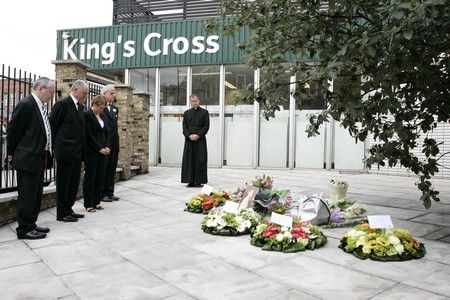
(390, 59)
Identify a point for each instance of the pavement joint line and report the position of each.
(24, 264)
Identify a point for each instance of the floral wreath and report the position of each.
(273, 237)
(381, 244)
(202, 203)
(220, 222)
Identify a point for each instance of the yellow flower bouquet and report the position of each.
(381, 244)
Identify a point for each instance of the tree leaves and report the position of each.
(389, 60)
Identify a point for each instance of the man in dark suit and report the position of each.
(110, 114)
(28, 148)
(67, 125)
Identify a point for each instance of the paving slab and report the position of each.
(434, 219)
(7, 234)
(32, 281)
(15, 253)
(228, 282)
(76, 256)
(325, 280)
(146, 247)
(402, 291)
(398, 213)
(293, 294)
(119, 281)
(250, 257)
(417, 229)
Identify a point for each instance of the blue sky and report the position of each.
(28, 29)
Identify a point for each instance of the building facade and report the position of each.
(173, 59)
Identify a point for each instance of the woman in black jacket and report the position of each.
(96, 151)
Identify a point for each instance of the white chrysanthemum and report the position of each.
(211, 223)
(394, 240)
(221, 223)
(287, 235)
(400, 249)
(279, 237)
(361, 241)
(284, 229)
(354, 211)
(261, 227)
(302, 241)
(247, 223)
(244, 226)
(355, 234)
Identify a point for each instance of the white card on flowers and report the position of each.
(380, 221)
(207, 190)
(281, 219)
(230, 207)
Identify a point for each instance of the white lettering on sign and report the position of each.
(154, 44)
(147, 40)
(181, 45)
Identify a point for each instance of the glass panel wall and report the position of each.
(273, 141)
(348, 154)
(239, 129)
(144, 80)
(173, 104)
(206, 83)
(309, 152)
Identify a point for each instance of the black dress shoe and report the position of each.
(107, 199)
(75, 215)
(115, 198)
(68, 218)
(190, 185)
(31, 235)
(42, 229)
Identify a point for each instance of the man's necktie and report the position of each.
(47, 129)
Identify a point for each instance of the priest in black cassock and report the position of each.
(195, 154)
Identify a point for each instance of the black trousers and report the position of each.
(67, 182)
(94, 175)
(29, 187)
(110, 172)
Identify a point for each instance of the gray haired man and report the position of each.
(67, 124)
(29, 143)
(111, 114)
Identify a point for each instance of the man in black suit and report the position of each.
(110, 114)
(28, 148)
(67, 125)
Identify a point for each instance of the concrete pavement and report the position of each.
(146, 247)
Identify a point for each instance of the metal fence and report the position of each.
(14, 85)
(94, 90)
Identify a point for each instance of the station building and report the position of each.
(162, 47)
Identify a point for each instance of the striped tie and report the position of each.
(48, 145)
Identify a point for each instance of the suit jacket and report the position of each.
(67, 130)
(26, 136)
(96, 136)
(111, 121)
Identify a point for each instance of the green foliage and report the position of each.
(389, 59)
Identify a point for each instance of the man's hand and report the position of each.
(194, 137)
(104, 151)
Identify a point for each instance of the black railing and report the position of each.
(15, 84)
(138, 11)
(94, 90)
